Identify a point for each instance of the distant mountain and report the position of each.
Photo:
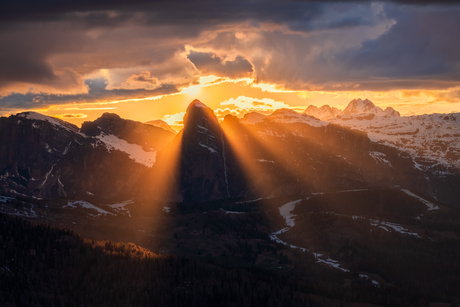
(432, 137)
(253, 118)
(356, 108)
(324, 113)
(367, 107)
(161, 124)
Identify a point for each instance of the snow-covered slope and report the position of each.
(432, 136)
(286, 116)
(135, 152)
(52, 120)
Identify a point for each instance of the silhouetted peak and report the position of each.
(108, 115)
(197, 104)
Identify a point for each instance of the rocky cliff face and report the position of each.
(45, 157)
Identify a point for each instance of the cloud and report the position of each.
(176, 119)
(52, 48)
(143, 77)
(211, 64)
(242, 105)
(71, 115)
(97, 92)
(420, 50)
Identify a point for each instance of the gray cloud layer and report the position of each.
(97, 92)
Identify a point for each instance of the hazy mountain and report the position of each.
(324, 113)
(367, 107)
(161, 124)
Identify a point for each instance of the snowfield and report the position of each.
(434, 137)
(87, 205)
(135, 152)
(430, 205)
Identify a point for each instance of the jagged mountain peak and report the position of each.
(324, 112)
(360, 107)
(389, 111)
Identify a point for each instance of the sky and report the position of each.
(147, 60)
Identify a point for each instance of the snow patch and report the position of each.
(263, 160)
(52, 120)
(331, 262)
(4, 199)
(198, 104)
(135, 152)
(121, 207)
(430, 205)
(286, 210)
(87, 205)
(212, 150)
(380, 157)
(232, 212)
(394, 226)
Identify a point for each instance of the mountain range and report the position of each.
(113, 159)
(320, 211)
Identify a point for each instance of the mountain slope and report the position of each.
(46, 157)
(161, 124)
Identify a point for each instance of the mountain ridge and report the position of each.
(285, 152)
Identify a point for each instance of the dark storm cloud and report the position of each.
(422, 45)
(210, 63)
(54, 43)
(32, 10)
(97, 92)
(297, 15)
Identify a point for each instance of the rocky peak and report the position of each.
(324, 113)
(133, 132)
(359, 106)
(203, 169)
(390, 112)
(201, 127)
(367, 107)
